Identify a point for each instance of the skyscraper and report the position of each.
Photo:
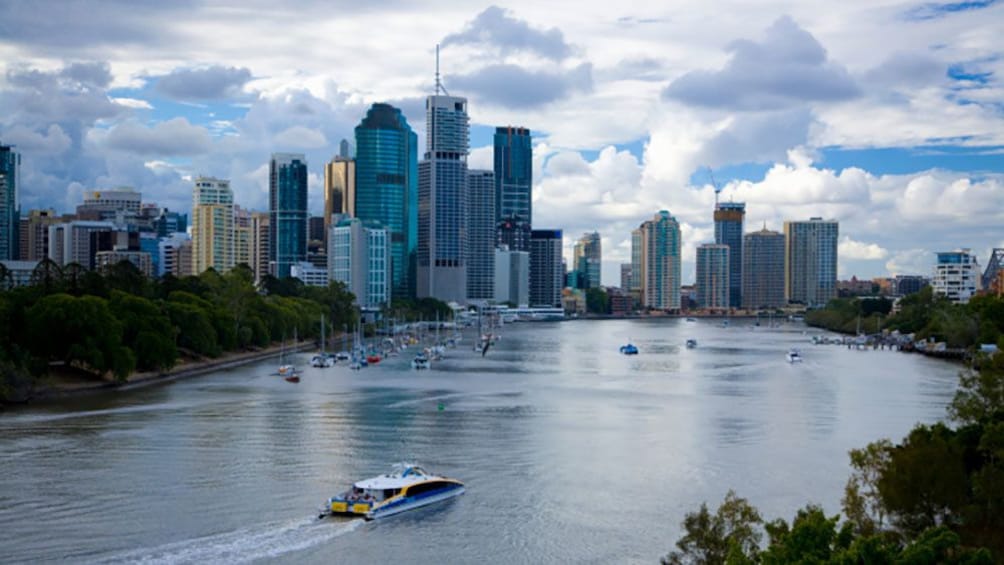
(637, 249)
(513, 183)
(212, 225)
(713, 269)
(387, 187)
(10, 215)
(810, 251)
(243, 237)
(260, 250)
(547, 272)
(729, 231)
(763, 269)
(339, 188)
(442, 197)
(480, 235)
(359, 256)
(288, 210)
(587, 257)
(660, 262)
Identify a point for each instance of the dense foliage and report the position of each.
(118, 321)
(935, 497)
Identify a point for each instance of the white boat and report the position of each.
(407, 488)
(420, 362)
(691, 343)
(321, 361)
(286, 370)
(793, 356)
(343, 356)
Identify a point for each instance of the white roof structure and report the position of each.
(400, 478)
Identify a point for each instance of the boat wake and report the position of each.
(242, 546)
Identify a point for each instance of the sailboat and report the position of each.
(287, 370)
(322, 360)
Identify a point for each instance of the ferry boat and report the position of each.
(691, 343)
(407, 488)
(629, 349)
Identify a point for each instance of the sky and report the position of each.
(885, 115)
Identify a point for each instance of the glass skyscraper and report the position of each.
(442, 197)
(810, 250)
(546, 270)
(763, 269)
(587, 255)
(660, 278)
(10, 216)
(729, 231)
(287, 196)
(480, 235)
(387, 188)
(713, 276)
(513, 183)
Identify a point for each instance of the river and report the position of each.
(570, 451)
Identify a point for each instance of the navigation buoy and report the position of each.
(441, 406)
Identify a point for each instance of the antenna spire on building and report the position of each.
(440, 89)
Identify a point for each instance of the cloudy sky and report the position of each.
(886, 115)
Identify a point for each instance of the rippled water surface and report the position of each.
(570, 451)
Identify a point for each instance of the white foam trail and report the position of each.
(241, 546)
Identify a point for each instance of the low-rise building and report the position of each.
(309, 274)
(141, 259)
(956, 275)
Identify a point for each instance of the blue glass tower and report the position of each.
(287, 197)
(729, 231)
(10, 226)
(513, 182)
(387, 188)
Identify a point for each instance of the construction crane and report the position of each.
(717, 187)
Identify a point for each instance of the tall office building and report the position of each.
(10, 215)
(260, 249)
(359, 256)
(587, 257)
(625, 276)
(713, 280)
(660, 267)
(763, 269)
(512, 277)
(637, 249)
(547, 270)
(442, 197)
(212, 225)
(339, 188)
(729, 231)
(810, 252)
(480, 236)
(243, 237)
(117, 204)
(287, 196)
(387, 187)
(35, 235)
(74, 242)
(513, 183)
(956, 275)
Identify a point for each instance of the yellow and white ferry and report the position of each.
(407, 488)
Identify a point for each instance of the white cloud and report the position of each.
(134, 103)
(300, 137)
(850, 249)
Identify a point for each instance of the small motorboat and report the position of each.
(691, 343)
(292, 379)
(373, 359)
(321, 361)
(287, 370)
(629, 349)
(793, 356)
(689, 319)
(420, 362)
(407, 488)
(343, 356)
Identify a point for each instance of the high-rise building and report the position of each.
(763, 269)
(260, 249)
(637, 250)
(587, 257)
(810, 251)
(288, 208)
(35, 235)
(512, 277)
(729, 231)
(72, 242)
(167, 222)
(243, 237)
(660, 275)
(547, 268)
(480, 236)
(10, 214)
(212, 225)
(387, 187)
(169, 249)
(956, 275)
(359, 256)
(339, 188)
(513, 184)
(118, 205)
(625, 276)
(442, 197)
(713, 270)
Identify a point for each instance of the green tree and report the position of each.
(126, 277)
(597, 301)
(146, 330)
(47, 275)
(194, 329)
(730, 534)
(812, 538)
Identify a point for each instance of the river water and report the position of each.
(570, 451)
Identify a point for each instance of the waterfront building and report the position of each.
(141, 259)
(512, 276)
(587, 257)
(956, 275)
(714, 269)
(729, 231)
(359, 255)
(339, 187)
(480, 236)
(34, 236)
(387, 188)
(637, 249)
(288, 210)
(19, 272)
(260, 249)
(547, 269)
(10, 214)
(72, 242)
(168, 249)
(810, 250)
(442, 196)
(308, 273)
(513, 153)
(661, 274)
(620, 301)
(212, 225)
(763, 270)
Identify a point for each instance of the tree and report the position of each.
(811, 538)
(597, 301)
(126, 277)
(862, 504)
(47, 275)
(730, 534)
(146, 330)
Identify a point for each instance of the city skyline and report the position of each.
(877, 144)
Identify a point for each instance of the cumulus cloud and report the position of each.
(496, 28)
(851, 249)
(513, 86)
(51, 142)
(789, 67)
(911, 262)
(209, 83)
(300, 137)
(171, 138)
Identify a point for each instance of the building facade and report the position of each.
(168, 249)
(729, 218)
(547, 271)
(339, 189)
(288, 212)
(360, 256)
(309, 274)
(956, 275)
(810, 250)
(512, 277)
(140, 259)
(10, 214)
(442, 196)
(587, 257)
(73, 242)
(763, 270)
(661, 262)
(387, 188)
(513, 158)
(994, 267)
(713, 276)
(260, 245)
(212, 225)
(625, 277)
(480, 236)
(35, 235)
